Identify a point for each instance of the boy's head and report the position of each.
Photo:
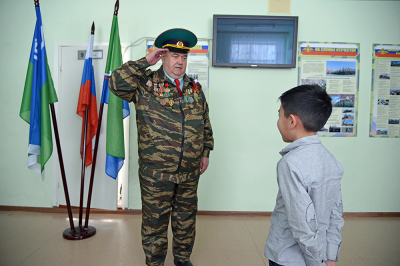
(304, 111)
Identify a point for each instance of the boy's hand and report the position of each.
(330, 263)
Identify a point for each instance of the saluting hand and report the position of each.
(154, 56)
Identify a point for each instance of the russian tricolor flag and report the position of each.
(87, 97)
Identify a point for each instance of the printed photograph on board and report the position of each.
(319, 82)
(342, 100)
(384, 76)
(340, 68)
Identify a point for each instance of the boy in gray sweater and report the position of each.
(307, 219)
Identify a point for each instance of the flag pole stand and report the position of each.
(89, 231)
(79, 233)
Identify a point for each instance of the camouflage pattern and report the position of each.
(173, 134)
(158, 198)
(171, 139)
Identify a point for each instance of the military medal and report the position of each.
(195, 88)
(161, 90)
(162, 102)
(196, 97)
(166, 94)
(155, 90)
(190, 99)
(186, 99)
(171, 102)
(149, 83)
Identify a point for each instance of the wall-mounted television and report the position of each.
(254, 41)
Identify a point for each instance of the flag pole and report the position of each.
(96, 145)
(84, 156)
(60, 159)
(83, 165)
(71, 230)
(82, 233)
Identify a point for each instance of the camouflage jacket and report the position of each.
(173, 132)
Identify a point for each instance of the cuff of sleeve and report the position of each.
(142, 63)
(206, 153)
(332, 251)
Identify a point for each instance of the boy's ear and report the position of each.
(294, 121)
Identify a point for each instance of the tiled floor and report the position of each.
(32, 238)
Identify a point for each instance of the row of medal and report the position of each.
(191, 95)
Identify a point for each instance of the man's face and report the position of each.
(174, 64)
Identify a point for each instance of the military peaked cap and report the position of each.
(176, 40)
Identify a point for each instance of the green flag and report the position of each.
(38, 94)
(117, 108)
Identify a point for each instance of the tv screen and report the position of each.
(254, 41)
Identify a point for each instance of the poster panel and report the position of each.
(334, 67)
(385, 92)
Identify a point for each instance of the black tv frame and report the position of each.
(234, 65)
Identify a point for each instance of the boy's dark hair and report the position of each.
(310, 103)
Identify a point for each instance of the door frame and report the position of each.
(55, 164)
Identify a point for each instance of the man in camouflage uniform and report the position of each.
(174, 140)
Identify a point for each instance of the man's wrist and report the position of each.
(206, 153)
(142, 63)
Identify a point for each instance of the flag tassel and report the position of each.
(60, 159)
(96, 146)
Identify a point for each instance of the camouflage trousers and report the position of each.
(160, 201)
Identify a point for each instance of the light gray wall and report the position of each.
(243, 102)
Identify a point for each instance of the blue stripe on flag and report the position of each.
(38, 59)
(113, 165)
(104, 94)
(125, 108)
(104, 97)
